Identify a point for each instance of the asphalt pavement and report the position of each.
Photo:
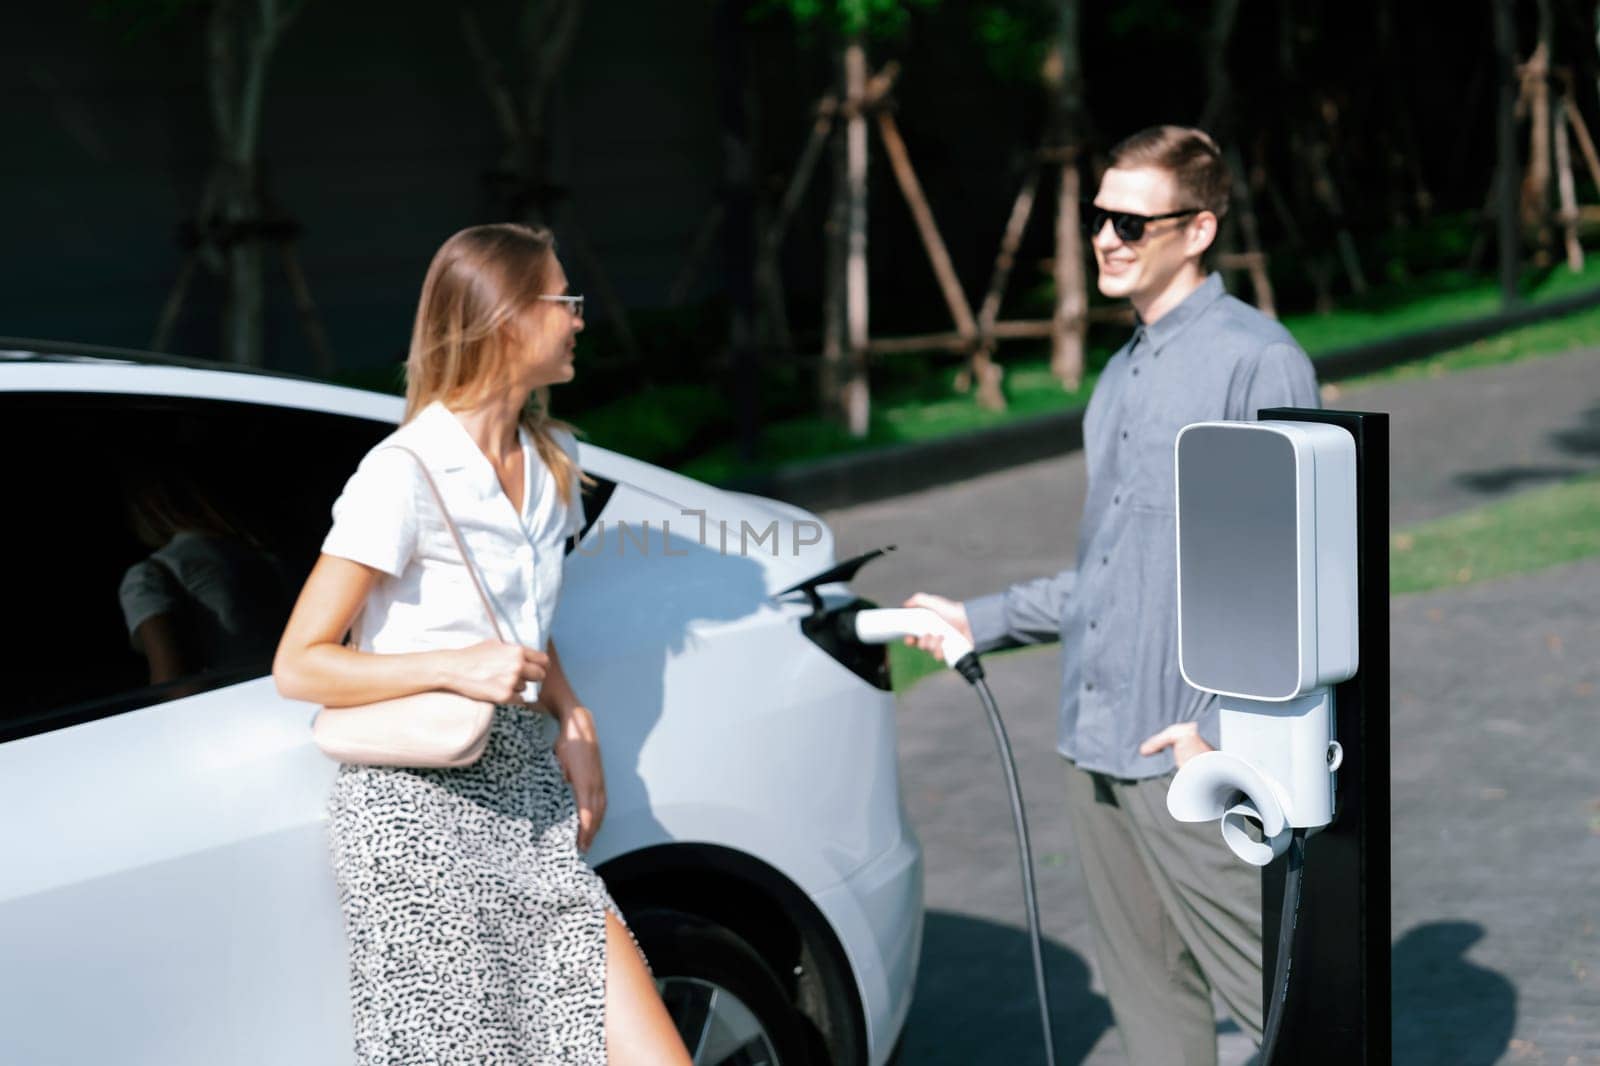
(1496, 796)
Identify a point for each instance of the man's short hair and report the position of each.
(1190, 155)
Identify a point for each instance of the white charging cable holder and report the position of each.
(1266, 517)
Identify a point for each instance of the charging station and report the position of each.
(1283, 613)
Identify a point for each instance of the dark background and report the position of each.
(376, 134)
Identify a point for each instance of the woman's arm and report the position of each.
(577, 748)
(313, 664)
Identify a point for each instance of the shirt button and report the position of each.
(1105, 560)
(1088, 686)
(1135, 371)
(1117, 498)
(1093, 625)
(1124, 434)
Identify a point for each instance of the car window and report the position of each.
(155, 544)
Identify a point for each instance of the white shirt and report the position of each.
(388, 519)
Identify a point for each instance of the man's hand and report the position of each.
(578, 751)
(1184, 739)
(952, 611)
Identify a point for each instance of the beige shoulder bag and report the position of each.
(428, 730)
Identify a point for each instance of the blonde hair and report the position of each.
(479, 283)
(1190, 155)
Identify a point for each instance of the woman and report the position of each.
(477, 933)
(209, 597)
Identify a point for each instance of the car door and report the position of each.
(165, 894)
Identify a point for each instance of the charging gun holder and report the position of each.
(1266, 620)
(1283, 614)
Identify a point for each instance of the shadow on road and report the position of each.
(1448, 1009)
(975, 998)
(1582, 442)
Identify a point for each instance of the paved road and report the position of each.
(1496, 797)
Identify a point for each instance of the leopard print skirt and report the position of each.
(476, 930)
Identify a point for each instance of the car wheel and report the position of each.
(728, 1005)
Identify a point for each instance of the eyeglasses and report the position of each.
(1127, 225)
(574, 303)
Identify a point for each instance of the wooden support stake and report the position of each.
(984, 371)
(1585, 143)
(1006, 258)
(699, 248)
(1248, 226)
(827, 108)
(932, 243)
(989, 313)
(1022, 329)
(170, 310)
(306, 308)
(769, 278)
(1567, 192)
(856, 400)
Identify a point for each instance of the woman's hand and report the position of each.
(494, 671)
(578, 751)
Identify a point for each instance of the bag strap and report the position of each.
(461, 545)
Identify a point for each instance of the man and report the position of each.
(1176, 916)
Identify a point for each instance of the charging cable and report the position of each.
(1286, 929)
(880, 626)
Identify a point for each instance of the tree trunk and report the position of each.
(856, 400)
(1063, 76)
(1506, 146)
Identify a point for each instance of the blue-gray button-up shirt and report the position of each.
(1211, 357)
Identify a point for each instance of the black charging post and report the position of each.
(1338, 1006)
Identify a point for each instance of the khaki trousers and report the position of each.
(1177, 917)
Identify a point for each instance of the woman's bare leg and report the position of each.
(638, 1028)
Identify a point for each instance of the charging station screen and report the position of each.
(1238, 566)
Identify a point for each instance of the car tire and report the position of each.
(728, 1005)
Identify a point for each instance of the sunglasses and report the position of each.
(574, 303)
(1128, 226)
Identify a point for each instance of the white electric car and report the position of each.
(165, 889)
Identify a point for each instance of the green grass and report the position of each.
(909, 416)
(1530, 531)
(907, 666)
(1579, 330)
(1439, 299)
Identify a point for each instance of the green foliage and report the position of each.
(1016, 35)
(1143, 19)
(657, 424)
(873, 18)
